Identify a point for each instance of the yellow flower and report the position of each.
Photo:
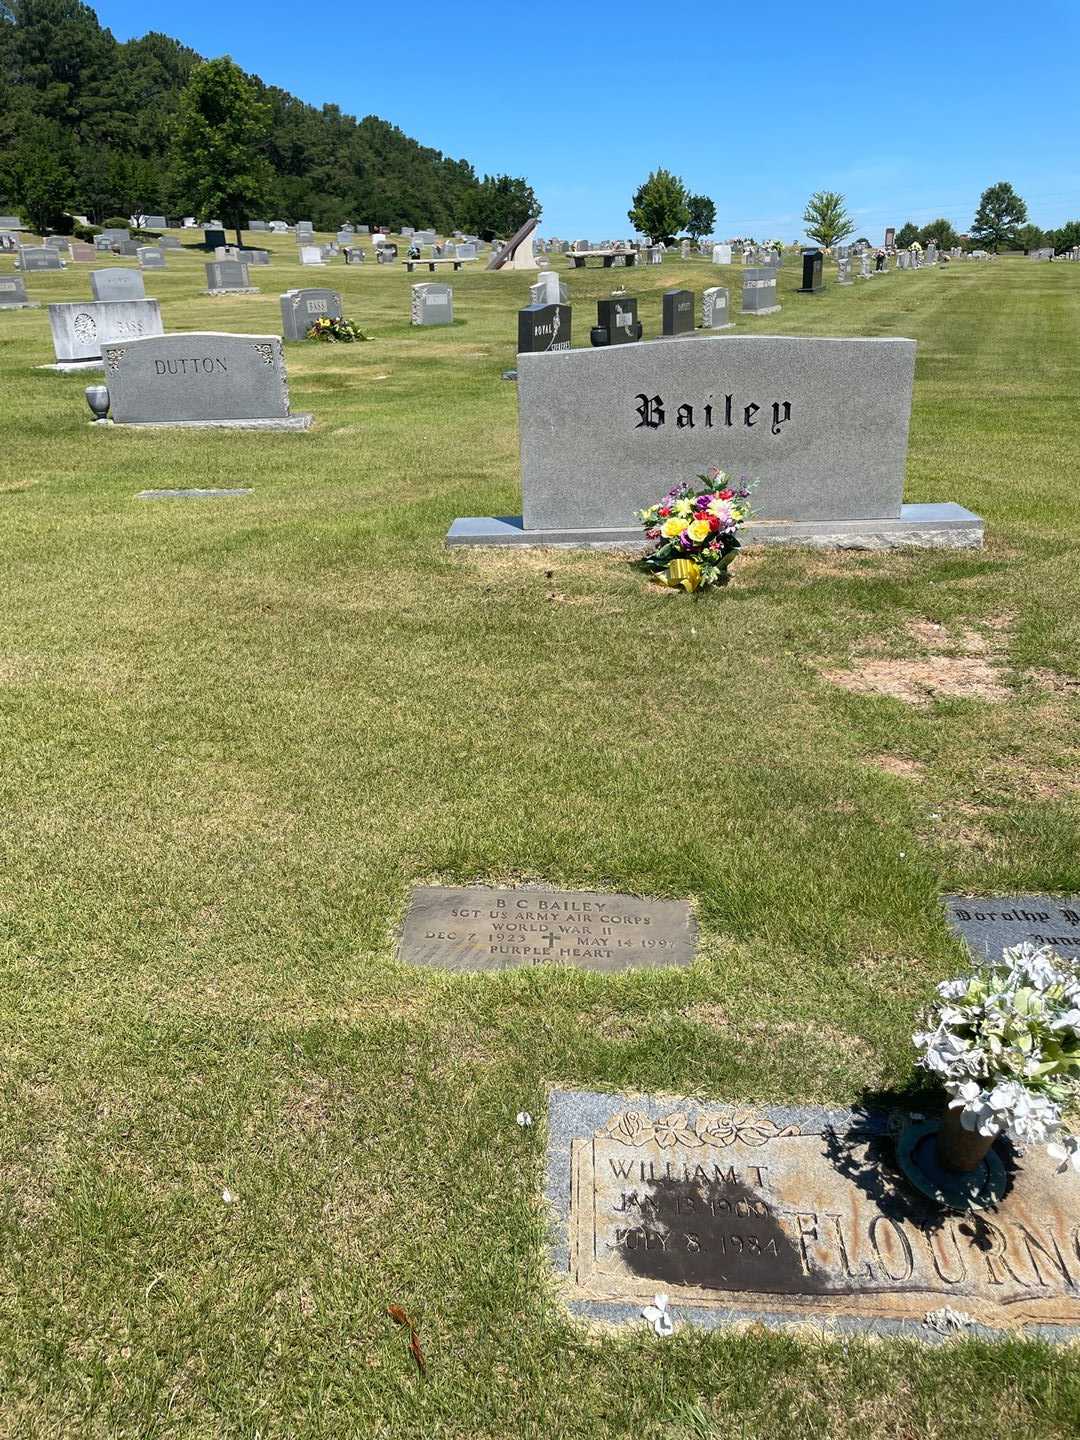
(672, 528)
(682, 507)
(699, 531)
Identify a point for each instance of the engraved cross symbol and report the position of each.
(550, 942)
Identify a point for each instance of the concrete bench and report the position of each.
(608, 257)
(410, 265)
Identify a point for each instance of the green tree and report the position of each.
(906, 234)
(221, 131)
(1066, 237)
(825, 218)
(702, 216)
(44, 190)
(1031, 237)
(1000, 213)
(499, 205)
(661, 207)
(941, 232)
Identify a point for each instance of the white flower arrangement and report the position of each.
(1006, 1043)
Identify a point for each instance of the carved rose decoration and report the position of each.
(730, 1127)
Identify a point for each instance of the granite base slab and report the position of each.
(239, 290)
(303, 421)
(752, 314)
(924, 527)
(23, 305)
(74, 367)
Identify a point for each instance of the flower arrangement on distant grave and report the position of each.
(1005, 1042)
(696, 527)
(332, 329)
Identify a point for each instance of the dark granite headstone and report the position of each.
(993, 923)
(616, 321)
(543, 327)
(213, 238)
(482, 928)
(678, 312)
(812, 264)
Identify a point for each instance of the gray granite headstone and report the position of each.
(759, 290)
(228, 277)
(716, 309)
(993, 923)
(483, 928)
(202, 378)
(432, 304)
(311, 255)
(301, 308)
(122, 283)
(792, 1216)
(116, 234)
(821, 424)
(82, 328)
(155, 222)
(39, 257)
(13, 293)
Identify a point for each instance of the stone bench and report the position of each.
(608, 257)
(410, 265)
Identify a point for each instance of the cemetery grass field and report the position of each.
(234, 733)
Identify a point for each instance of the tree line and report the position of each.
(90, 125)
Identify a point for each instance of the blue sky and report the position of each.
(910, 110)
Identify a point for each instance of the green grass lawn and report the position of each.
(233, 734)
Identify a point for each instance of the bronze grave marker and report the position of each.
(480, 927)
(794, 1216)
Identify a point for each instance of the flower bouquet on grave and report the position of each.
(332, 328)
(696, 530)
(1005, 1041)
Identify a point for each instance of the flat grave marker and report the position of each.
(478, 927)
(992, 923)
(786, 1215)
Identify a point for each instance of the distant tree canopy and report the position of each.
(499, 205)
(702, 216)
(221, 130)
(998, 219)
(87, 123)
(1066, 237)
(825, 219)
(941, 232)
(660, 208)
(906, 234)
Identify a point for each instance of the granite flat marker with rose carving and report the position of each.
(205, 378)
(820, 424)
(789, 1216)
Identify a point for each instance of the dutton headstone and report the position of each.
(202, 378)
(123, 283)
(301, 308)
(543, 327)
(432, 304)
(716, 309)
(820, 424)
(678, 312)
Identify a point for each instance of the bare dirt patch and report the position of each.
(917, 682)
(1051, 680)
(899, 765)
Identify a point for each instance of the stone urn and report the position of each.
(97, 397)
